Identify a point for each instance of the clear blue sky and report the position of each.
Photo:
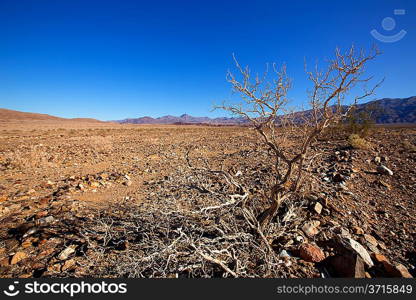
(116, 59)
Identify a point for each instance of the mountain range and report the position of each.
(390, 110)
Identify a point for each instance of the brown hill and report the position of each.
(8, 115)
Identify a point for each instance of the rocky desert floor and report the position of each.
(142, 201)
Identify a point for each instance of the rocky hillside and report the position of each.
(398, 110)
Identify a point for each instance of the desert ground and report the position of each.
(81, 199)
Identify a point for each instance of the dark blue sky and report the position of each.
(117, 59)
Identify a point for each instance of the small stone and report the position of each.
(379, 258)
(311, 228)
(46, 220)
(299, 239)
(386, 185)
(372, 248)
(357, 230)
(311, 253)
(382, 245)
(370, 239)
(284, 253)
(45, 253)
(344, 232)
(318, 208)
(69, 264)
(27, 243)
(4, 262)
(95, 184)
(41, 214)
(377, 159)
(382, 169)
(55, 268)
(67, 252)
(19, 256)
(127, 183)
(31, 231)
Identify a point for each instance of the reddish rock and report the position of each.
(27, 243)
(41, 214)
(357, 230)
(5, 262)
(19, 256)
(311, 253)
(45, 253)
(397, 270)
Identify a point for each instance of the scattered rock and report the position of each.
(27, 244)
(311, 253)
(41, 214)
(67, 252)
(68, 265)
(357, 230)
(31, 231)
(351, 265)
(382, 169)
(370, 239)
(311, 228)
(356, 247)
(299, 239)
(317, 208)
(95, 184)
(55, 268)
(284, 253)
(46, 220)
(19, 256)
(5, 262)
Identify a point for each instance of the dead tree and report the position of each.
(265, 106)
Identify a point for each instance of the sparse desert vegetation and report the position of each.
(153, 201)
